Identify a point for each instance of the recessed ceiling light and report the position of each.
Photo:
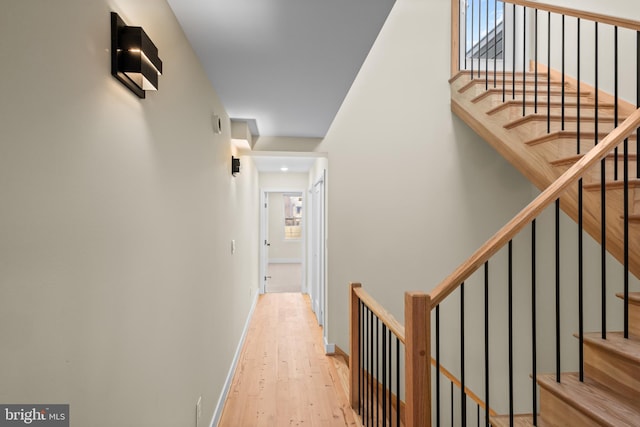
(284, 169)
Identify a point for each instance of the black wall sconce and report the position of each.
(134, 57)
(235, 165)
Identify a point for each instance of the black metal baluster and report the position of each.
(466, 36)
(597, 109)
(557, 290)
(486, 54)
(580, 281)
(563, 76)
(479, 35)
(504, 55)
(535, 102)
(384, 374)
(615, 90)
(367, 367)
(486, 343)
(578, 98)
(510, 284)
(580, 237)
(397, 382)
(495, 42)
(472, 43)
(371, 379)
(365, 379)
(463, 396)
(626, 237)
(534, 340)
(549, 72)
(361, 345)
(524, 60)
(438, 365)
(390, 369)
(513, 53)
(377, 378)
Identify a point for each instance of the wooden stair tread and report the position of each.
(508, 84)
(520, 420)
(616, 343)
(465, 73)
(528, 91)
(544, 104)
(613, 185)
(593, 400)
(569, 134)
(634, 297)
(573, 159)
(557, 118)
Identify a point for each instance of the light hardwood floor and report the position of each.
(283, 377)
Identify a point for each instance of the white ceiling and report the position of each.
(287, 64)
(294, 164)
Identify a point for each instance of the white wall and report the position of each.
(118, 291)
(395, 138)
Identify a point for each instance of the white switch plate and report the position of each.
(233, 246)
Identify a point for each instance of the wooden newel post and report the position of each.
(354, 346)
(417, 319)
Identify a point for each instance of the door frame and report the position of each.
(317, 255)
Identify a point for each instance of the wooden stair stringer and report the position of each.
(511, 145)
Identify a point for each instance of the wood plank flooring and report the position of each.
(283, 377)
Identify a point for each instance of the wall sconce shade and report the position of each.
(235, 165)
(134, 57)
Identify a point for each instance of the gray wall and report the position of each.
(118, 291)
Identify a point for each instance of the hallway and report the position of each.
(283, 377)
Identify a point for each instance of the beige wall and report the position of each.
(395, 137)
(118, 291)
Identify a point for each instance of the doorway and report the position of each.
(283, 241)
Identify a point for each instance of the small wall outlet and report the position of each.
(198, 411)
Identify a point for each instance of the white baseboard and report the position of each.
(227, 384)
(329, 348)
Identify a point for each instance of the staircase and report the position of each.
(543, 123)
(578, 144)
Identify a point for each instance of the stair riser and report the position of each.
(556, 412)
(494, 98)
(612, 370)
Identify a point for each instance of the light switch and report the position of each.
(233, 247)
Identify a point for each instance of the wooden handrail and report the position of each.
(531, 211)
(589, 16)
(382, 314)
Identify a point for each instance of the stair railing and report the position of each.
(377, 388)
(499, 40)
